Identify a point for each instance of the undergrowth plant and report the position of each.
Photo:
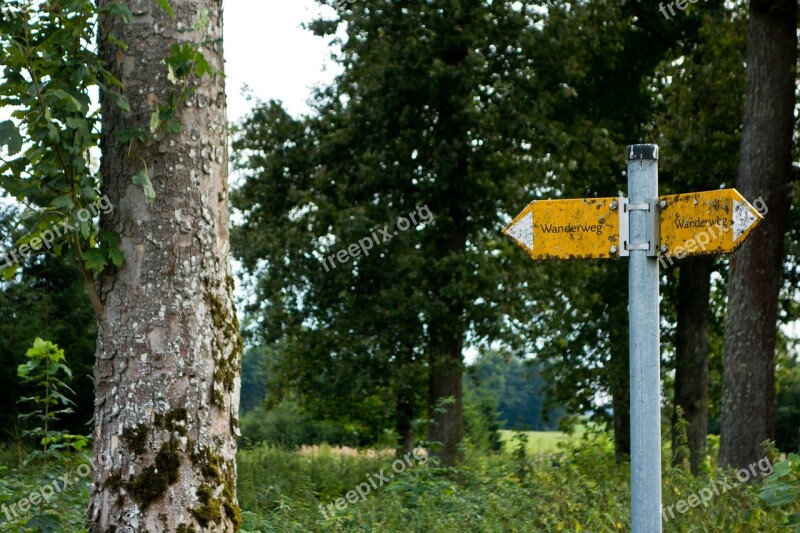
(782, 489)
(45, 370)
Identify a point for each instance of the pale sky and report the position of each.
(267, 49)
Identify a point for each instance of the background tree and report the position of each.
(699, 93)
(585, 351)
(517, 387)
(787, 415)
(433, 109)
(765, 170)
(520, 116)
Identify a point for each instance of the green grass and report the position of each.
(538, 441)
(568, 485)
(576, 486)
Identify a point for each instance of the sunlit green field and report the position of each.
(538, 441)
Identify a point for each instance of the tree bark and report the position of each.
(691, 357)
(446, 326)
(445, 402)
(404, 418)
(449, 275)
(748, 405)
(168, 349)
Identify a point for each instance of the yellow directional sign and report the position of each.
(568, 229)
(710, 222)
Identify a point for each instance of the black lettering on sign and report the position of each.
(572, 228)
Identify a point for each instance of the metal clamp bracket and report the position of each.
(653, 235)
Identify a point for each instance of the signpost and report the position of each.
(568, 229)
(641, 227)
(711, 222)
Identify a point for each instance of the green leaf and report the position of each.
(155, 121)
(171, 75)
(166, 7)
(116, 256)
(119, 100)
(74, 123)
(85, 229)
(118, 43)
(781, 469)
(8, 272)
(110, 238)
(778, 494)
(95, 260)
(10, 137)
(119, 10)
(127, 134)
(71, 103)
(141, 178)
(52, 133)
(62, 202)
(201, 65)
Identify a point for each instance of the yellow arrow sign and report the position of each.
(710, 222)
(568, 229)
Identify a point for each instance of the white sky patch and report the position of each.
(267, 49)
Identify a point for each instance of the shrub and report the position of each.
(286, 427)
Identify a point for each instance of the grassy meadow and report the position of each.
(542, 481)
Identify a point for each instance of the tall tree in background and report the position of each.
(168, 350)
(472, 110)
(434, 109)
(588, 357)
(765, 170)
(700, 98)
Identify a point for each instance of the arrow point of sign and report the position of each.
(521, 230)
(745, 218)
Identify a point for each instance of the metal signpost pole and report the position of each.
(645, 380)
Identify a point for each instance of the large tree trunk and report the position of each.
(748, 405)
(445, 397)
(446, 322)
(449, 275)
(691, 357)
(168, 349)
(404, 418)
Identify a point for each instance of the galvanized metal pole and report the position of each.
(645, 379)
